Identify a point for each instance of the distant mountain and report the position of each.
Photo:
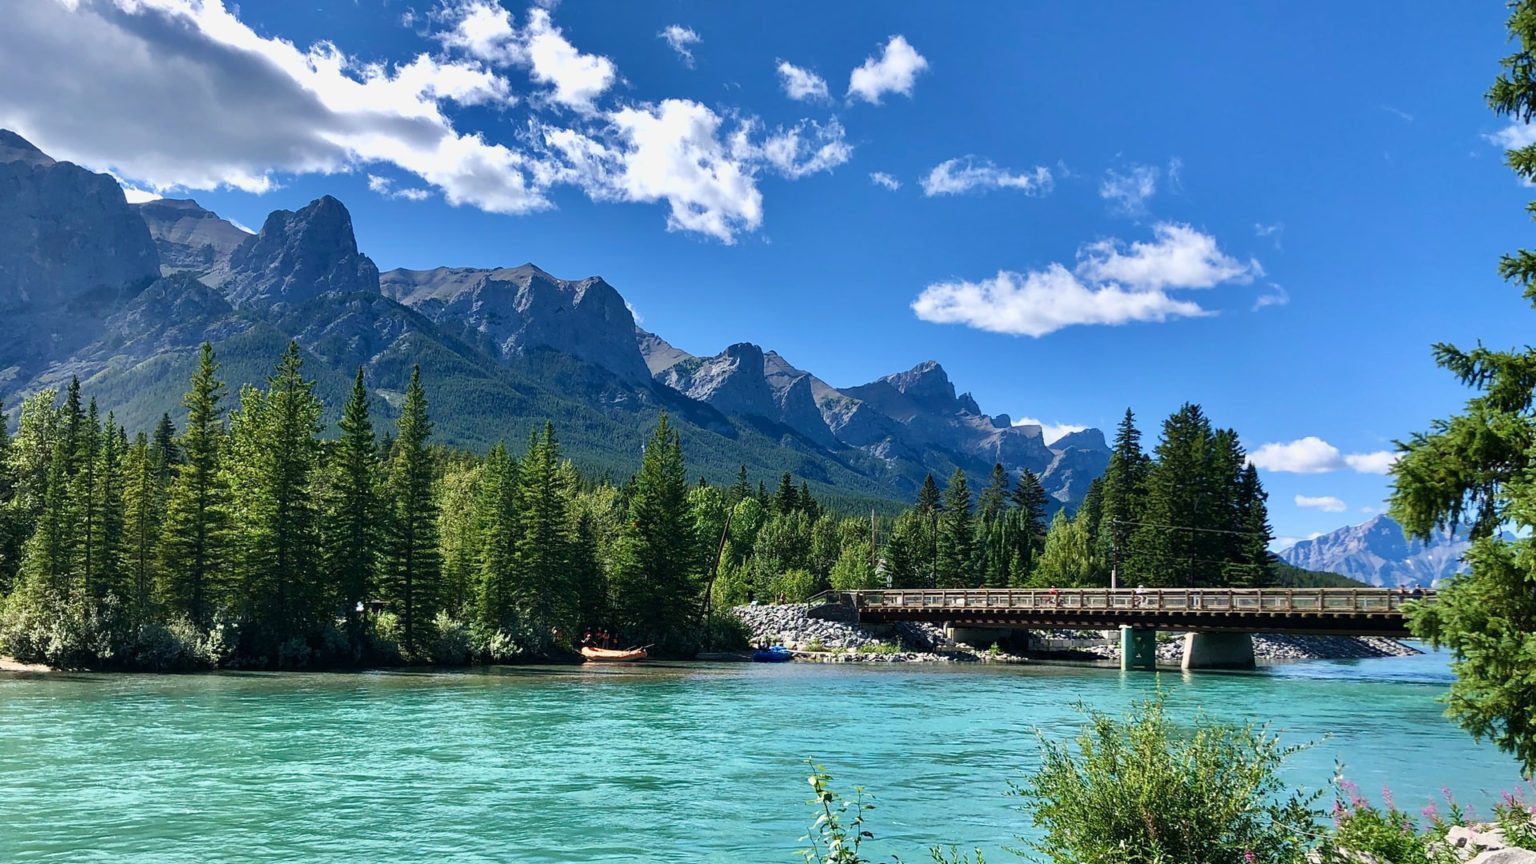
(121, 295)
(1376, 553)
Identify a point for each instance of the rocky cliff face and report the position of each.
(189, 238)
(299, 255)
(66, 234)
(1377, 553)
(81, 293)
(516, 309)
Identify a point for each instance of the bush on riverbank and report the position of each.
(1140, 790)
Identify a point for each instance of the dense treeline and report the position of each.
(250, 537)
(1191, 513)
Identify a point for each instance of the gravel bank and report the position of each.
(793, 626)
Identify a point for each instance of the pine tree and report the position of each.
(1030, 501)
(787, 499)
(11, 538)
(165, 442)
(742, 490)
(808, 504)
(85, 499)
(195, 548)
(587, 571)
(1172, 546)
(144, 503)
(956, 535)
(277, 455)
(108, 506)
(656, 592)
(1123, 490)
(993, 499)
(497, 516)
(543, 561)
(352, 510)
(412, 567)
(929, 499)
(1253, 513)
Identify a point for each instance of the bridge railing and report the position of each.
(1170, 600)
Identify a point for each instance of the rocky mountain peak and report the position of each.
(926, 382)
(14, 148)
(1083, 439)
(1377, 553)
(66, 233)
(299, 255)
(188, 237)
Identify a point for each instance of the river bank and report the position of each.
(797, 627)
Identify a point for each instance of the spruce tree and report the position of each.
(993, 499)
(108, 507)
(497, 515)
(543, 562)
(1121, 496)
(164, 441)
(1030, 501)
(144, 503)
(787, 499)
(742, 490)
(195, 548)
(655, 585)
(1256, 568)
(352, 512)
(1184, 498)
(412, 566)
(956, 535)
(277, 447)
(929, 498)
(11, 537)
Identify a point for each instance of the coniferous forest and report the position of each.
(255, 536)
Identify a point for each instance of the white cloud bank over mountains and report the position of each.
(181, 94)
(1313, 455)
(1112, 283)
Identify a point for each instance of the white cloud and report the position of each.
(880, 178)
(1514, 136)
(182, 94)
(680, 39)
(1276, 296)
(967, 174)
(1129, 192)
(1178, 257)
(1380, 462)
(1313, 455)
(386, 187)
(1051, 432)
(1325, 503)
(577, 78)
(1042, 302)
(801, 84)
(894, 72)
(134, 195)
(1111, 285)
(483, 29)
(805, 148)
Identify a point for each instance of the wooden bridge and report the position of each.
(1215, 614)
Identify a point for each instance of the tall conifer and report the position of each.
(412, 566)
(195, 548)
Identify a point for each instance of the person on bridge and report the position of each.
(1055, 597)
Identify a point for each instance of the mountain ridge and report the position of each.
(502, 349)
(1377, 553)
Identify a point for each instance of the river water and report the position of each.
(662, 762)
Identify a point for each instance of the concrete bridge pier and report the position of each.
(1138, 648)
(1218, 651)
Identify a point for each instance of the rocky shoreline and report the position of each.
(799, 627)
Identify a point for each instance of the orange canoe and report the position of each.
(612, 656)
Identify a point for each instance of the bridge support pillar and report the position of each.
(1138, 648)
(1218, 651)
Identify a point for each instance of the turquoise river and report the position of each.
(661, 762)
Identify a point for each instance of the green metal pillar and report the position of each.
(1138, 648)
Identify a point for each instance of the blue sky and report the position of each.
(1270, 209)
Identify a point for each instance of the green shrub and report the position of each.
(795, 586)
(1139, 791)
(451, 643)
(881, 648)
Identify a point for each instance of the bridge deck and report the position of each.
(1350, 611)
